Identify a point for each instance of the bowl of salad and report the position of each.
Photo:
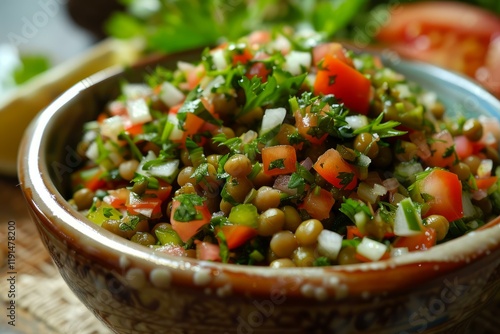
(277, 183)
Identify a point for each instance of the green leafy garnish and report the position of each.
(187, 211)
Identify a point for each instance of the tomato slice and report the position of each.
(186, 230)
(442, 150)
(334, 169)
(346, 83)
(207, 251)
(441, 191)
(454, 35)
(237, 235)
(318, 205)
(279, 159)
(422, 241)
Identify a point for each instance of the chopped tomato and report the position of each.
(463, 146)
(334, 49)
(334, 169)
(318, 205)
(454, 35)
(442, 150)
(195, 75)
(441, 191)
(163, 191)
(259, 70)
(118, 198)
(259, 37)
(422, 241)
(304, 121)
(186, 230)
(207, 251)
(279, 159)
(485, 183)
(237, 235)
(241, 56)
(146, 206)
(89, 178)
(346, 83)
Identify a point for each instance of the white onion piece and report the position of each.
(371, 249)
(219, 59)
(296, 62)
(379, 190)
(112, 126)
(467, 205)
(176, 133)
(138, 111)
(329, 244)
(92, 151)
(485, 168)
(185, 66)
(170, 95)
(357, 121)
(272, 118)
(479, 194)
(134, 91)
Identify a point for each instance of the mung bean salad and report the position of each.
(281, 150)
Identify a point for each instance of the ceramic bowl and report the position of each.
(133, 290)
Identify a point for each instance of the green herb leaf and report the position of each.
(187, 211)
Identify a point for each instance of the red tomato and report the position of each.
(259, 37)
(207, 251)
(362, 258)
(186, 230)
(346, 83)
(485, 183)
(333, 49)
(442, 149)
(463, 147)
(237, 235)
(304, 122)
(149, 207)
(442, 191)
(117, 198)
(450, 34)
(241, 56)
(353, 232)
(279, 159)
(422, 241)
(258, 70)
(319, 205)
(163, 191)
(334, 169)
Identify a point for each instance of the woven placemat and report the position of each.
(45, 304)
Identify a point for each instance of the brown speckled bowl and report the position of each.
(133, 290)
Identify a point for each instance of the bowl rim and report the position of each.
(337, 281)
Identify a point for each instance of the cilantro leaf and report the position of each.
(383, 130)
(187, 211)
(350, 207)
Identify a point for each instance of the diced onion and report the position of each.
(391, 184)
(167, 170)
(418, 138)
(92, 151)
(307, 163)
(467, 205)
(112, 126)
(272, 118)
(479, 194)
(357, 121)
(407, 221)
(138, 111)
(485, 167)
(176, 134)
(371, 249)
(329, 244)
(282, 44)
(297, 61)
(185, 66)
(219, 59)
(170, 95)
(134, 91)
(281, 183)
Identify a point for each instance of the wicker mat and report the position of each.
(44, 303)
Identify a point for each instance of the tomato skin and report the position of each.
(454, 35)
(333, 49)
(485, 183)
(423, 241)
(319, 205)
(237, 235)
(149, 207)
(443, 191)
(441, 146)
(286, 153)
(463, 147)
(186, 230)
(207, 252)
(331, 165)
(346, 83)
(304, 121)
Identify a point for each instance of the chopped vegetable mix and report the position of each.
(279, 150)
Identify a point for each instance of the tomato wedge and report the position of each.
(334, 169)
(186, 230)
(441, 191)
(279, 159)
(346, 83)
(237, 235)
(422, 241)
